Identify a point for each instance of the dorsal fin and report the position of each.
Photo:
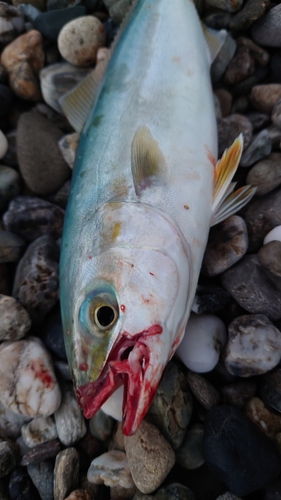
(148, 162)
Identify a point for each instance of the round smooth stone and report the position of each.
(253, 346)
(273, 235)
(263, 97)
(270, 258)
(190, 453)
(101, 425)
(79, 40)
(204, 337)
(268, 422)
(250, 12)
(10, 185)
(174, 491)
(15, 320)
(203, 390)
(266, 174)
(238, 452)
(66, 473)
(40, 430)
(239, 393)
(209, 299)
(42, 476)
(113, 405)
(11, 423)
(111, 469)
(68, 146)
(266, 31)
(69, 420)
(3, 144)
(230, 127)
(241, 66)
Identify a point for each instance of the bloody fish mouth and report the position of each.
(128, 364)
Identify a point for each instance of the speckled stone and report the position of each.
(268, 422)
(229, 129)
(11, 247)
(36, 279)
(258, 120)
(239, 393)
(247, 284)
(190, 454)
(171, 408)
(266, 174)
(259, 148)
(42, 476)
(228, 242)
(264, 97)
(66, 473)
(266, 30)
(111, 469)
(69, 419)
(41, 163)
(203, 390)
(40, 430)
(223, 58)
(41, 453)
(10, 185)
(241, 66)
(150, 457)
(252, 10)
(253, 346)
(15, 320)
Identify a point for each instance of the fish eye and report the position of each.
(105, 316)
(99, 312)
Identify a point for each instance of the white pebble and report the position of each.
(113, 406)
(40, 430)
(273, 235)
(205, 335)
(111, 469)
(3, 144)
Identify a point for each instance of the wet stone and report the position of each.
(40, 430)
(209, 299)
(241, 66)
(231, 441)
(190, 454)
(10, 185)
(229, 129)
(239, 393)
(42, 476)
(69, 419)
(30, 217)
(203, 390)
(266, 31)
(101, 425)
(20, 485)
(111, 469)
(41, 163)
(261, 216)
(41, 453)
(171, 408)
(174, 491)
(227, 243)
(268, 422)
(15, 321)
(259, 148)
(266, 174)
(52, 335)
(223, 58)
(66, 473)
(204, 337)
(36, 279)
(248, 285)
(253, 346)
(50, 23)
(252, 10)
(150, 457)
(270, 389)
(11, 247)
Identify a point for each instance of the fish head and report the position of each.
(129, 316)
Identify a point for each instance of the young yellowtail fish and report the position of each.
(146, 188)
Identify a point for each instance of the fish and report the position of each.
(146, 188)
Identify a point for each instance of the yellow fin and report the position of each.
(227, 203)
(214, 41)
(148, 162)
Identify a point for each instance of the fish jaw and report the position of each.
(137, 362)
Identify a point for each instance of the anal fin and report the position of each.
(226, 202)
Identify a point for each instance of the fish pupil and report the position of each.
(105, 316)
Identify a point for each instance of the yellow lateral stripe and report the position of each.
(226, 168)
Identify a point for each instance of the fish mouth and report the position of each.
(133, 361)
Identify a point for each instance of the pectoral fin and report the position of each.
(226, 202)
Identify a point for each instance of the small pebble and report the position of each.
(51, 22)
(218, 20)
(264, 97)
(111, 469)
(116, 441)
(69, 419)
(268, 422)
(259, 148)
(270, 389)
(42, 476)
(266, 30)
(209, 299)
(117, 9)
(7, 28)
(228, 496)
(52, 334)
(204, 337)
(266, 174)
(229, 129)
(10, 185)
(79, 40)
(239, 393)
(190, 453)
(101, 425)
(251, 11)
(15, 320)
(20, 485)
(10, 157)
(150, 457)
(174, 491)
(223, 58)
(66, 473)
(40, 430)
(41, 453)
(258, 120)
(241, 66)
(253, 346)
(203, 390)
(225, 100)
(260, 55)
(79, 495)
(244, 87)
(270, 258)
(8, 457)
(238, 452)
(3, 144)
(227, 243)
(68, 146)
(11, 423)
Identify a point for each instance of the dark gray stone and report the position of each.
(41, 453)
(229, 129)
(266, 174)
(42, 476)
(190, 453)
(203, 390)
(239, 393)
(174, 491)
(20, 485)
(266, 30)
(270, 258)
(270, 389)
(50, 23)
(209, 299)
(252, 10)
(11, 247)
(10, 185)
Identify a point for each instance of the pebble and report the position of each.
(218, 20)
(204, 337)
(41, 163)
(69, 419)
(190, 453)
(28, 385)
(203, 390)
(268, 422)
(41, 453)
(28, 11)
(63, 369)
(225, 100)
(68, 146)
(8, 457)
(209, 299)
(66, 473)
(239, 453)
(7, 29)
(36, 279)
(260, 55)
(266, 174)
(11, 423)
(51, 22)
(259, 148)
(52, 334)
(264, 97)
(30, 217)
(261, 216)
(174, 491)
(42, 476)
(223, 58)
(150, 457)
(90, 446)
(248, 285)
(10, 157)
(258, 120)
(40, 430)
(273, 235)
(101, 425)
(58, 79)
(61, 196)
(270, 258)
(253, 346)
(239, 393)
(10, 185)
(171, 408)
(229, 129)
(79, 40)
(20, 485)
(117, 9)
(116, 441)
(270, 389)
(15, 320)
(246, 85)
(78, 495)
(3, 144)
(266, 30)
(249, 14)
(23, 58)
(111, 469)
(241, 66)
(227, 243)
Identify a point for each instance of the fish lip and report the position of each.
(136, 372)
